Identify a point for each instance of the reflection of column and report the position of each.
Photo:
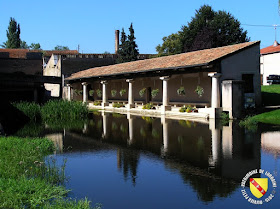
(216, 137)
(227, 141)
(104, 94)
(85, 94)
(165, 127)
(68, 92)
(57, 139)
(215, 95)
(130, 94)
(85, 128)
(165, 98)
(104, 116)
(130, 127)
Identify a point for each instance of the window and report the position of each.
(249, 83)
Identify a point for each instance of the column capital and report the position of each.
(165, 78)
(84, 83)
(214, 75)
(104, 82)
(130, 80)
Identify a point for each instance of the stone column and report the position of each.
(215, 95)
(104, 94)
(165, 98)
(69, 92)
(85, 93)
(130, 94)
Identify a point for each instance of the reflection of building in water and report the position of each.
(270, 142)
(57, 139)
(128, 162)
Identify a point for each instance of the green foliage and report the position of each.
(113, 92)
(91, 92)
(128, 48)
(31, 130)
(172, 44)
(183, 109)
(148, 106)
(61, 48)
(199, 90)
(272, 117)
(118, 104)
(154, 93)
(148, 119)
(27, 180)
(122, 92)
(188, 109)
(30, 109)
(98, 92)
(181, 91)
(142, 92)
(63, 110)
(23, 45)
(207, 29)
(78, 92)
(249, 123)
(13, 35)
(97, 103)
(35, 46)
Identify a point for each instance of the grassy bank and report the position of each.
(27, 181)
(272, 117)
(53, 110)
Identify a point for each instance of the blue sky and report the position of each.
(91, 23)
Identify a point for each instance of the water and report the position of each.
(126, 161)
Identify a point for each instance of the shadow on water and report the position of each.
(210, 157)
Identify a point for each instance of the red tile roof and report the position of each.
(184, 60)
(17, 53)
(270, 49)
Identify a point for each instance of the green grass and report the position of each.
(28, 180)
(272, 117)
(271, 95)
(30, 109)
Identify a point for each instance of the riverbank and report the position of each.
(27, 180)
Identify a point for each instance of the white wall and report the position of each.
(270, 65)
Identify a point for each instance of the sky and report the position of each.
(91, 24)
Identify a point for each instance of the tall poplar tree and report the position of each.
(13, 35)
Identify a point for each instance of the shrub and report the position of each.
(122, 92)
(142, 92)
(97, 103)
(148, 106)
(183, 109)
(249, 123)
(154, 93)
(118, 104)
(181, 91)
(113, 92)
(30, 109)
(188, 109)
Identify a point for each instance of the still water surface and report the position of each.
(131, 162)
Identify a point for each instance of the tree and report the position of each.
(128, 48)
(60, 48)
(207, 29)
(24, 45)
(13, 35)
(35, 46)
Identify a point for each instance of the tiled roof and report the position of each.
(60, 52)
(163, 63)
(17, 53)
(270, 49)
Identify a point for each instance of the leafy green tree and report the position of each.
(13, 35)
(35, 46)
(207, 29)
(128, 48)
(60, 48)
(23, 45)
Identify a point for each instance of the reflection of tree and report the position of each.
(128, 162)
(207, 185)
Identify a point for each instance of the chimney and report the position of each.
(117, 37)
(275, 43)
